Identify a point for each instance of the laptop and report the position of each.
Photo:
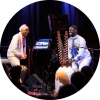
(42, 44)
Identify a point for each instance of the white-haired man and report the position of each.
(17, 48)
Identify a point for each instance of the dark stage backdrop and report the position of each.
(35, 16)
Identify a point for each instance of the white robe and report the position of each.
(83, 53)
(15, 49)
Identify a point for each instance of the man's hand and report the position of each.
(73, 59)
(25, 56)
(70, 61)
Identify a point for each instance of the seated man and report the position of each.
(77, 50)
(6, 70)
(15, 74)
(88, 72)
(78, 80)
(66, 90)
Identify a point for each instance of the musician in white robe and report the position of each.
(77, 50)
(17, 48)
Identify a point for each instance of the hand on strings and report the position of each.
(73, 59)
(23, 56)
(73, 46)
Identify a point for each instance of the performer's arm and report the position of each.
(15, 47)
(69, 54)
(81, 50)
(69, 50)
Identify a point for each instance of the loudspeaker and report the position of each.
(34, 79)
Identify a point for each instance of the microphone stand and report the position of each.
(49, 44)
(47, 74)
(86, 48)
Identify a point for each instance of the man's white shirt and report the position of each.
(78, 43)
(16, 46)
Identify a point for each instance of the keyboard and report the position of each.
(40, 47)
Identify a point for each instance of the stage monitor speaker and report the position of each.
(34, 79)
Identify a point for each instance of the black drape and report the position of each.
(35, 16)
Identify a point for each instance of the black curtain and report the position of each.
(35, 16)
